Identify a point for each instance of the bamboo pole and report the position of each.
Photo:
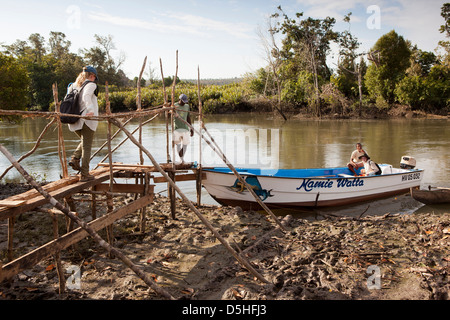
(241, 259)
(86, 227)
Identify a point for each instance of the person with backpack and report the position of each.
(86, 86)
(370, 167)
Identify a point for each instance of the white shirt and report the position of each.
(370, 167)
(355, 156)
(88, 104)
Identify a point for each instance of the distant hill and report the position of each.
(218, 82)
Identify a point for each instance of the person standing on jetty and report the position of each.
(355, 161)
(182, 133)
(83, 128)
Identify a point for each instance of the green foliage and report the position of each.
(299, 91)
(214, 98)
(411, 91)
(14, 83)
(383, 76)
(402, 73)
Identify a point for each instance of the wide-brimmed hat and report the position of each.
(365, 155)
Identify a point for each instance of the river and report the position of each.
(258, 140)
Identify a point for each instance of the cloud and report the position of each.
(335, 9)
(181, 24)
(419, 21)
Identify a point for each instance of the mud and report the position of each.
(327, 257)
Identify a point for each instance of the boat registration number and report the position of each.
(411, 176)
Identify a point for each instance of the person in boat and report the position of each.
(84, 128)
(355, 162)
(370, 167)
(182, 132)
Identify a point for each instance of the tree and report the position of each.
(348, 68)
(445, 28)
(100, 56)
(37, 46)
(308, 43)
(273, 57)
(394, 58)
(14, 83)
(59, 46)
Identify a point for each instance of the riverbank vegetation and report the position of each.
(296, 79)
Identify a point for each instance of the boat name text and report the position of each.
(310, 184)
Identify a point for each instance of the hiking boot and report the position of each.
(75, 164)
(85, 178)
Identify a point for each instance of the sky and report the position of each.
(218, 37)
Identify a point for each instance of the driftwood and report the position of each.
(86, 227)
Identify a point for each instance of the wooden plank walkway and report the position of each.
(59, 189)
(32, 200)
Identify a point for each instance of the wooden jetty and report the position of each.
(58, 197)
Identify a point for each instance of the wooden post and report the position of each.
(144, 209)
(94, 206)
(199, 167)
(139, 107)
(166, 114)
(11, 238)
(61, 147)
(59, 269)
(170, 190)
(109, 198)
(86, 227)
(172, 174)
(141, 156)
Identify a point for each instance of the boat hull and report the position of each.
(305, 187)
(431, 197)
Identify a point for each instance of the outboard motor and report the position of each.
(407, 162)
